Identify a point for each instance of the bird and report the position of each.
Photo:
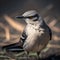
(36, 34)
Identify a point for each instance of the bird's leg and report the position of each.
(38, 55)
(27, 55)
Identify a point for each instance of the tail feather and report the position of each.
(13, 48)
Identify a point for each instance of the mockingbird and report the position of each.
(36, 34)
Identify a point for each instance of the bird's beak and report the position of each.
(20, 17)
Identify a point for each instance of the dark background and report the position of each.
(13, 6)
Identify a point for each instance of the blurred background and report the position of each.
(11, 28)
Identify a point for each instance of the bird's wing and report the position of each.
(50, 33)
(23, 37)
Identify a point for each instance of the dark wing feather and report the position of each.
(50, 33)
(23, 37)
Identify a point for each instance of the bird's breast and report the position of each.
(30, 30)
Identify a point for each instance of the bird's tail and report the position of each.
(13, 48)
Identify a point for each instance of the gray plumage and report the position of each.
(36, 34)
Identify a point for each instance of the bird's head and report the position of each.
(31, 16)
